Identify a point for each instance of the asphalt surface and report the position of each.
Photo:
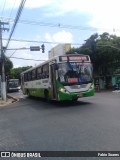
(91, 124)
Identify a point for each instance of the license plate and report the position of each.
(80, 95)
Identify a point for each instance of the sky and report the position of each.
(55, 21)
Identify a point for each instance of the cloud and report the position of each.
(28, 4)
(62, 37)
(104, 14)
(9, 4)
(38, 3)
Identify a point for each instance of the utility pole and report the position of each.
(3, 79)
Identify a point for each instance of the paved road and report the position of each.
(18, 94)
(91, 124)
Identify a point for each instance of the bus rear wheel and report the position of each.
(28, 93)
(46, 95)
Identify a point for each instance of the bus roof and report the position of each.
(54, 58)
(39, 65)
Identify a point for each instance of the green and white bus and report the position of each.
(65, 77)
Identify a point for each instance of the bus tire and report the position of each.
(46, 95)
(28, 93)
(75, 99)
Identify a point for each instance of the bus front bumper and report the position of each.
(62, 96)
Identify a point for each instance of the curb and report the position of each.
(9, 102)
(14, 98)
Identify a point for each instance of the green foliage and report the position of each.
(8, 65)
(15, 72)
(106, 58)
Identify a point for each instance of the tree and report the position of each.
(15, 72)
(8, 65)
(106, 57)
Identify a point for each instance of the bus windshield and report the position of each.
(75, 72)
(13, 84)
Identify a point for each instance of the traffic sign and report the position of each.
(35, 48)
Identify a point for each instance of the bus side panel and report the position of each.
(37, 88)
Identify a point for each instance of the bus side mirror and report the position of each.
(56, 67)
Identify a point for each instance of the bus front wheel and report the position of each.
(75, 99)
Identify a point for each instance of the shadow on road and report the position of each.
(68, 103)
(59, 104)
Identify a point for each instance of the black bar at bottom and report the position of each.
(59, 153)
(80, 153)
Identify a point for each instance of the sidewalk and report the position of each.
(10, 100)
(116, 91)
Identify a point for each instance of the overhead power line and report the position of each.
(16, 20)
(12, 54)
(60, 25)
(31, 41)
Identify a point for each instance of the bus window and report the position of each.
(29, 76)
(33, 74)
(39, 73)
(46, 71)
(25, 77)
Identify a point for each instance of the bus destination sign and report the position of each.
(74, 58)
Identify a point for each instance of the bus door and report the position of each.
(53, 81)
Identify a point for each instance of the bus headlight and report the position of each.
(92, 86)
(63, 90)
